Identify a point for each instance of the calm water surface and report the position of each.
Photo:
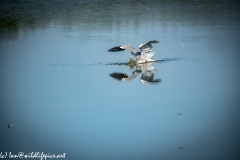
(56, 91)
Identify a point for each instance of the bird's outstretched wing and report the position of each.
(147, 45)
(123, 76)
(148, 77)
(122, 48)
(116, 49)
(118, 76)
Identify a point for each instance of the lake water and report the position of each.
(57, 92)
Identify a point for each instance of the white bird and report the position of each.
(141, 57)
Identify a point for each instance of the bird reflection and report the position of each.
(147, 73)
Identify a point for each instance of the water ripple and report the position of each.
(130, 63)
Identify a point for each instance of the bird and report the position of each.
(142, 56)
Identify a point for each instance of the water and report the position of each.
(57, 92)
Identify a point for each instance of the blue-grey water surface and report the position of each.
(56, 91)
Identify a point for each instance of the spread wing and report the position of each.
(123, 76)
(121, 48)
(148, 77)
(118, 76)
(116, 49)
(147, 45)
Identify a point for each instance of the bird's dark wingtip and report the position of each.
(155, 41)
(118, 76)
(116, 49)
